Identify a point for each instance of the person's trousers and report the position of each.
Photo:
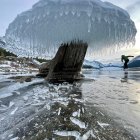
(126, 64)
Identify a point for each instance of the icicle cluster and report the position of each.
(41, 30)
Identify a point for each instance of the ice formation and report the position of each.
(40, 30)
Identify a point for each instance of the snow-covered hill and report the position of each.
(40, 30)
(92, 64)
(134, 62)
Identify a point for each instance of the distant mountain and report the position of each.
(92, 64)
(134, 62)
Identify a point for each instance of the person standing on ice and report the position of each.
(126, 60)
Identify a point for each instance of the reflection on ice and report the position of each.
(117, 96)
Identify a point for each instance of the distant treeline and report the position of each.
(4, 53)
(40, 59)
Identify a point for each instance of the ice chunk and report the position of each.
(3, 108)
(11, 104)
(59, 110)
(79, 112)
(68, 133)
(4, 95)
(102, 124)
(1, 119)
(78, 122)
(92, 134)
(17, 92)
(86, 135)
(13, 112)
(47, 106)
(16, 138)
(10, 135)
(83, 110)
(74, 114)
(76, 134)
(25, 98)
(38, 104)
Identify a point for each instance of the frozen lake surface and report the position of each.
(103, 106)
(118, 94)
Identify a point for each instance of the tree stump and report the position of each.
(67, 63)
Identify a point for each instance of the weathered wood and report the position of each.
(67, 63)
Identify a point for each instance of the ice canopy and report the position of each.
(40, 30)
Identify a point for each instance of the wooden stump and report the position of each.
(67, 63)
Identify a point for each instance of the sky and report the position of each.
(9, 9)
